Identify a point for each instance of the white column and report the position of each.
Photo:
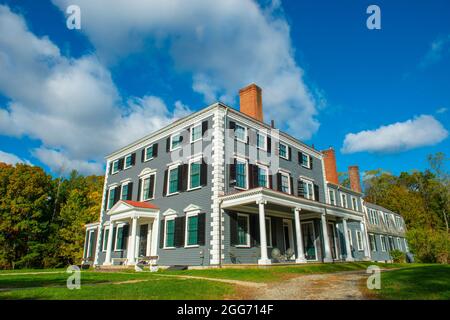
(262, 234)
(97, 244)
(347, 241)
(299, 236)
(109, 246)
(132, 243)
(326, 241)
(155, 237)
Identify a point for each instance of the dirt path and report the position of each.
(332, 286)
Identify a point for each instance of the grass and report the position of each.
(427, 282)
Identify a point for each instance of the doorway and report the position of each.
(288, 237)
(143, 235)
(309, 238)
(333, 240)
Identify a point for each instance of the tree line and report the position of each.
(42, 218)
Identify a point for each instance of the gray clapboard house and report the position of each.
(220, 187)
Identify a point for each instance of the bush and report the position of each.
(398, 256)
(431, 246)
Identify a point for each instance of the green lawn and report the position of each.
(428, 282)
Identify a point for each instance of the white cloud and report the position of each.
(439, 48)
(224, 47)
(71, 105)
(421, 131)
(10, 158)
(442, 110)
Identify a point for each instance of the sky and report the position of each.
(69, 97)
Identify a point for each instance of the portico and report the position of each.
(142, 219)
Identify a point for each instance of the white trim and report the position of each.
(350, 237)
(112, 166)
(332, 191)
(189, 215)
(110, 188)
(191, 131)
(346, 200)
(308, 165)
(383, 243)
(192, 207)
(121, 189)
(145, 152)
(374, 247)
(398, 244)
(359, 240)
(168, 218)
(119, 225)
(171, 140)
(284, 173)
(287, 150)
(90, 235)
(245, 132)
(245, 161)
(265, 168)
(259, 133)
(169, 212)
(105, 241)
(193, 160)
(169, 169)
(125, 161)
(311, 183)
(142, 181)
(247, 236)
(355, 204)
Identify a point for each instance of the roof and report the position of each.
(138, 204)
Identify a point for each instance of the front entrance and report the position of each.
(143, 235)
(309, 238)
(333, 240)
(288, 237)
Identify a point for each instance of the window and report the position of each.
(263, 176)
(128, 161)
(261, 141)
(91, 244)
(332, 197)
(148, 187)
(241, 174)
(194, 174)
(105, 238)
(359, 240)
(243, 226)
(240, 133)
(285, 185)
(373, 242)
(169, 241)
(115, 167)
(308, 189)
(196, 132)
(119, 238)
(269, 232)
(399, 246)
(192, 230)
(124, 191)
(350, 238)
(283, 150)
(173, 180)
(175, 141)
(344, 200)
(111, 196)
(383, 243)
(306, 160)
(354, 204)
(148, 153)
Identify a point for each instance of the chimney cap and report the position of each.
(250, 86)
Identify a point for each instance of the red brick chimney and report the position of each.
(250, 100)
(355, 180)
(329, 159)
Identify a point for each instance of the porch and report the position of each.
(305, 230)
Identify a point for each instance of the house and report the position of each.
(221, 186)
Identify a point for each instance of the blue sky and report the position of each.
(380, 97)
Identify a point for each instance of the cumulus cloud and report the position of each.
(71, 105)
(11, 158)
(224, 47)
(421, 131)
(439, 48)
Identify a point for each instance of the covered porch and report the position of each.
(138, 222)
(295, 229)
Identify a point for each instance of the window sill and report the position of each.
(145, 160)
(307, 167)
(240, 188)
(127, 168)
(242, 246)
(243, 141)
(172, 194)
(192, 246)
(170, 150)
(196, 188)
(199, 139)
(169, 248)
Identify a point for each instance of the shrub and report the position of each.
(398, 256)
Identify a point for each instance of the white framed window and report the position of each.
(263, 176)
(175, 141)
(241, 173)
(240, 132)
(196, 133)
(105, 239)
(111, 196)
(148, 153)
(332, 195)
(191, 230)
(406, 244)
(308, 189)
(350, 238)
(359, 240)
(283, 151)
(169, 232)
(285, 182)
(243, 230)
(306, 160)
(194, 168)
(124, 190)
(354, 204)
(90, 244)
(119, 242)
(261, 141)
(399, 245)
(115, 167)
(383, 243)
(344, 200)
(148, 186)
(269, 232)
(128, 163)
(373, 242)
(172, 179)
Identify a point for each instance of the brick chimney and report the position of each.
(355, 180)
(250, 100)
(330, 166)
